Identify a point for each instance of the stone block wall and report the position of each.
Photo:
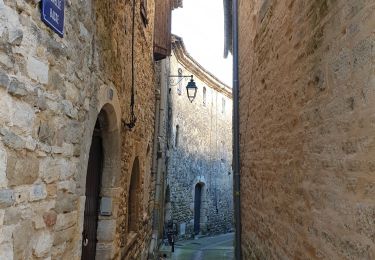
(307, 92)
(51, 92)
(201, 155)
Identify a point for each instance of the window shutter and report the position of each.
(162, 29)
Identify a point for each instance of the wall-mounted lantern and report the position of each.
(191, 87)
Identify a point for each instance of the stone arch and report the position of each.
(133, 219)
(128, 240)
(146, 183)
(134, 199)
(106, 111)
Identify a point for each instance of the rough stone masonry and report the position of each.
(51, 92)
(307, 123)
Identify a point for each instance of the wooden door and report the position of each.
(93, 179)
(197, 208)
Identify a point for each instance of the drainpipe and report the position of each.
(155, 173)
(158, 162)
(236, 134)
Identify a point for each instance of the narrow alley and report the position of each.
(220, 247)
(228, 129)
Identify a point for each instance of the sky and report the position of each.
(201, 25)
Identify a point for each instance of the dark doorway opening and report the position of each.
(93, 182)
(197, 208)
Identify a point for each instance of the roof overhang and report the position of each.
(184, 58)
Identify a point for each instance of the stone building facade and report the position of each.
(307, 102)
(199, 136)
(58, 95)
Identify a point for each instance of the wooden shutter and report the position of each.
(162, 29)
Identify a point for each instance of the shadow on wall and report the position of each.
(214, 209)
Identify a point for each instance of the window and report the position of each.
(204, 96)
(222, 105)
(177, 135)
(179, 88)
(223, 153)
(144, 12)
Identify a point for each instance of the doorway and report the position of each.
(197, 208)
(93, 183)
(100, 182)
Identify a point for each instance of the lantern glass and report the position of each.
(191, 90)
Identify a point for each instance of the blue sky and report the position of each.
(201, 25)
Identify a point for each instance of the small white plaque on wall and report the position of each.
(106, 206)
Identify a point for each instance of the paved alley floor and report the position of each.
(216, 248)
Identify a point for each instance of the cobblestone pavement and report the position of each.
(217, 248)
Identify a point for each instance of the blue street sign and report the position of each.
(53, 15)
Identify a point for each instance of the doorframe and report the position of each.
(106, 107)
(94, 184)
(197, 226)
(204, 203)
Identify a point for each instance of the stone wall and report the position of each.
(307, 92)
(51, 92)
(202, 154)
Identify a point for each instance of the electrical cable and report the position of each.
(133, 118)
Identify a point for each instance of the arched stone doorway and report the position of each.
(102, 180)
(93, 186)
(198, 203)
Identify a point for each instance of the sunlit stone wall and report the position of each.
(51, 91)
(307, 102)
